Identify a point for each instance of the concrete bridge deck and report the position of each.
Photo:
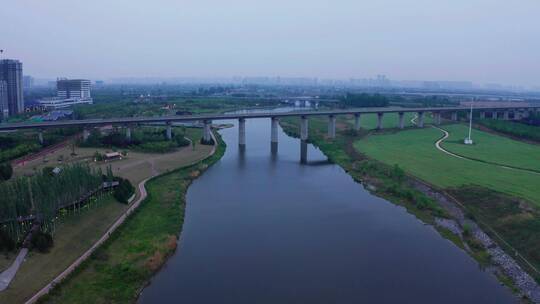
(210, 117)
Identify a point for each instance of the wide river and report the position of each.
(263, 228)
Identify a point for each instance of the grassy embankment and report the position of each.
(122, 266)
(413, 151)
(77, 233)
(505, 200)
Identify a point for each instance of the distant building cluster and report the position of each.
(11, 88)
(69, 92)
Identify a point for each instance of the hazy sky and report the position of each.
(477, 40)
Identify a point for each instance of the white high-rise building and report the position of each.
(69, 92)
(4, 107)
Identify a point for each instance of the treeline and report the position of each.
(143, 139)
(364, 100)
(39, 197)
(518, 129)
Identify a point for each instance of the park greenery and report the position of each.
(145, 139)
(18, 144)
(6, 171)
(118, 270)
(513, 128)
(38, 198)
(364, 100)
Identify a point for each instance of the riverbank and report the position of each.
(121, 267)
(420, 199)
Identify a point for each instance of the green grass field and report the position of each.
(414, 151)
(492, 148)
(390, 120)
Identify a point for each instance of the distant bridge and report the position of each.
(505, 112)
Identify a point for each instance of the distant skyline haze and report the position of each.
(476, 40)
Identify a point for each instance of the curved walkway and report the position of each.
(446, 135)
(115, 225)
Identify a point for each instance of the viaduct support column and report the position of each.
(506, 116)
(206, 131)
(274, 130)
(40, 137)
(128, 133)
(379, 120)
(401, 120)
(242, 131)
(420, 119)
(169, 131)
(304, 128)
(331, 126)
(437, 117)
(494, 115)
(454, 116)
(85, 134)
(357, 121)
(482, 115)
(517, 115)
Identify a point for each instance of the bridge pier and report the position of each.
(331, 126)
(40, 137)
(482, 115)
(401, 120)
(274, 130)
(207, 137)
(506, 115)
(494, 115)
(454, 116)
(420, 119)
(304, 128)
(380, 120)
(437, 118)
(169, 130)
(85, 134)
(242, 131)
(517, 114)
(128, 133)
(357, 121)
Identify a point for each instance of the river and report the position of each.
(264, 228)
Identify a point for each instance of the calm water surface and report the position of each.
(263, 228)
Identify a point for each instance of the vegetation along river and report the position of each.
(264, 228)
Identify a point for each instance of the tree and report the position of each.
(6, 171)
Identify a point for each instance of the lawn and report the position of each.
(390, 120)
(493, 148)
(73, 236)
(120, 267)
(414, 151)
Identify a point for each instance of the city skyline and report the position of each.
(415, 41)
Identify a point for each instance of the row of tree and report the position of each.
(39, 197)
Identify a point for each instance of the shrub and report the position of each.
(41, 241)
(6, 242)
(6, 171)
(124, 191)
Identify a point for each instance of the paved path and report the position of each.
(9, 274)
(117, 223)
(446, 135)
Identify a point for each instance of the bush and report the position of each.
(41, 241)
(6, 171)
(124, 191)
(6, 243)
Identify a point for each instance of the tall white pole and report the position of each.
(470, 121)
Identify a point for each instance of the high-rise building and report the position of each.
(11, 73)
(73, 88)
(4, 109)
(69, 92)
(28, 82)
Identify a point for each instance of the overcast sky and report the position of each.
(478, 40)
